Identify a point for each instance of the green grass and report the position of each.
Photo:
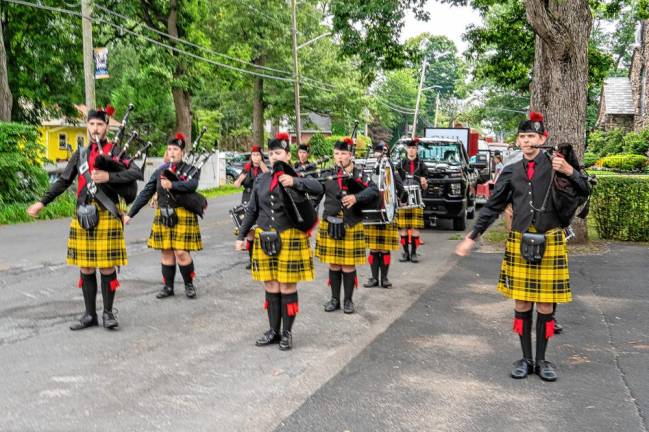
(63, 206)
(220, 191)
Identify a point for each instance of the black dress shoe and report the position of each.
(371, 282)
(110, 322)
(545, 370)
(348, 308)
(268, 338)
(165, 292)
(286, 343)
(385, 283)
(332, 305)
(558, 328)
(405, 257)
(190, 290)
(522, 368)
(85, 321)
(414, 258)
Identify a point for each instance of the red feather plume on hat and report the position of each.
(180, 136)
(416, 140)
(110, 110)
(255, 148)
(536, 116)
(348, 140)
(282, 136)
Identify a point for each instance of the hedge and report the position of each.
(624, 162)
(620, 207)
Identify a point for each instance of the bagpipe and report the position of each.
(122, 161)
(195, 202)
(566, 200)
(298, 206)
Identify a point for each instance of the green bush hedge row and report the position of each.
(624, 162)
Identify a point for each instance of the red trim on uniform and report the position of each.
(355, 281)
(192, 275)
(81, 180)
(386, 259)
(404, 241)
(370, 259)
(275, 181)
(329, 281)
(310, 230)
(549, 329)
(266, 304)
(114, 284)
(249, 244)
(292, 309)
(417, 241)
(247, 167)
(164, 280)
(517, 327)
(80, 283)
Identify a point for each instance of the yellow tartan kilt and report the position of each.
(186, 235)
(547, 282)
(293, 264)
(102, 246)
(349, 251)
(382, 237)
(410, 218)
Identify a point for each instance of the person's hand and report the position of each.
(126, 219)
(165, 183)
(35, 209)
(238, 246)
(263, 166)
(348, 201)
(99, 176)
(560, 164)
(465, 247)
(286, 180)
(424, 183)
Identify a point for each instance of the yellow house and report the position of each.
(61, 137)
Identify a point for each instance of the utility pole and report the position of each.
(421, 86)
(296, 74)
(436, 107)
(88, 54)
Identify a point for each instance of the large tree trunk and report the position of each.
(6, 100)
(258, 106)
(560, 77)
(182, 98)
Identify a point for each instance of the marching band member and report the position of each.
(251, 171)
(341, 241)
(411, 168)
(175, 231)
(96, 237)
(282, 256)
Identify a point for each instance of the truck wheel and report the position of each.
(459, 223)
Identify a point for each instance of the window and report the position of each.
(63, 142)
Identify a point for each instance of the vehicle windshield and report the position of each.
(437, 152)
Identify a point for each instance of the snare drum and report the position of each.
(415, 197)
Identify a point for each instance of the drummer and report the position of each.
(413, 171)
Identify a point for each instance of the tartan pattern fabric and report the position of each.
(410, 218)
(348, 251)
(547, 282)
(293, 264)
(102, 246)
(382, 237)
(186, 235)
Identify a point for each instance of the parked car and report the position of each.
(235, 163)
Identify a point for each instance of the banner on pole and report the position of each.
(101, 63)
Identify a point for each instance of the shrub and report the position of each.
(620, 208)
(625, 162)
(637, 142)
(590, 159)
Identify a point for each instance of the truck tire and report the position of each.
(459, 223)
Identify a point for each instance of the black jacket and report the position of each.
(71, 171)
(417, 168)
(266, 208)
(525, 196)
(154, 186)
(249, 181)
(333, 195)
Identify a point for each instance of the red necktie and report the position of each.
(530, 170)
(412, 167)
